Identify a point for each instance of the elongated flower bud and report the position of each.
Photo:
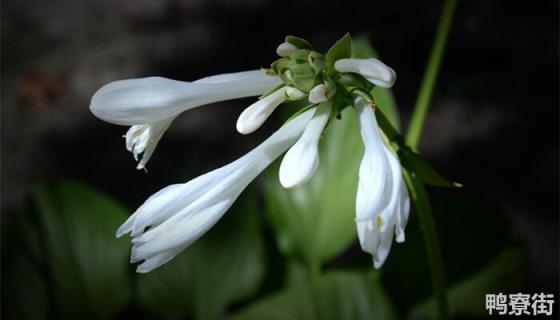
(302, 160)
(153, 99)
(256, 114)
(372, 69)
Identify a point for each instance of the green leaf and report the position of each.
(340, 50)
(24, 287)
(86, 265)
(419, 168)
(467, 298)
(337, 296)
(299, 42)
(315, 222)
(362, 49)
(225, 266)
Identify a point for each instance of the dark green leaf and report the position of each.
(337, 296)
(419, 168)
(299, 42)
(223, 267)
(467, 298)
(340, 50)
(86, 265)
(472, 233)
(315, 222)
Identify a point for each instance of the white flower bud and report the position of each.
(372, 69)
(285, 49)
(318, 94)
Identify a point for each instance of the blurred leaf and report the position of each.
(225, 266)
(299, 42)
(315, 222)
(340, 50)
(467, 298)
(472, 233)
(86, 264)
(362, 49)
(418, 167)
(24, 288)
(337, 296)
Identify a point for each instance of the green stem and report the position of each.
(431, 242)
(416, 187)
(430, 75)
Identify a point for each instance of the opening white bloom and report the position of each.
(302, 160)
(151, 104)
(382, 202)
(256, 114)
(285, 49)
(173, 218)
(143, 139)
(372, 69)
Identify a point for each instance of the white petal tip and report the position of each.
(285, 49)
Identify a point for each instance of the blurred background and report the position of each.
(68, 182)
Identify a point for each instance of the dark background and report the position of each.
(493, 124)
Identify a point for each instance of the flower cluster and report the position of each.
(176, 216)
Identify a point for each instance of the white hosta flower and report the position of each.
(173, 218)
(151, 104)
(285, 49)
(256, 114)
(302, 160)
(382, 202)
(372, 69)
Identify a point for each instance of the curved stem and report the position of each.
(430, 75)
(416, 187)
(431, 242)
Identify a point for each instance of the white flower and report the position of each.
(372, 69)
(285, 49)
(173, 218)
(150, 104)
(256, 114)
(382, 202)
(302, 160)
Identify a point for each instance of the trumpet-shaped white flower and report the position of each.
(302, 160)
(151, 104)
(372, 69)
(172, 219)
(382, 202)
(256, 114)
(179, 214)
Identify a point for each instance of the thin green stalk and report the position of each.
(431, 242)
(430, 75)
(416, 187)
